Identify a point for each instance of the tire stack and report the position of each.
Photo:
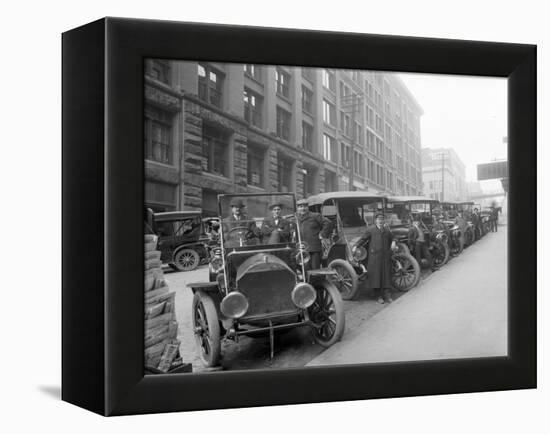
(162, 349)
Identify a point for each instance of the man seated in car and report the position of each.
(238, 230)
(276, 229)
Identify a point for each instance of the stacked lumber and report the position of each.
(162, 348)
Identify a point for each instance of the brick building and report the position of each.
(215, 128)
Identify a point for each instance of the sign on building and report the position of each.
(495, 170)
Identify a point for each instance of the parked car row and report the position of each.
(260, 284)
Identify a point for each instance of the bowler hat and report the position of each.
(273, 205)
(378, 214)
(301, 202)
(236, 203)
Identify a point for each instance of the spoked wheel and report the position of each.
(405, 272)
(457, 247)
(327, 315)
(186, 260)
(468, 237)
(346, 279)
(206, 328)
(440, 253)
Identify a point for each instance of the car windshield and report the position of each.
(249, 220)
(358, 212)
(398, 214)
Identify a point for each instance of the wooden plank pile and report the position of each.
(162, 348)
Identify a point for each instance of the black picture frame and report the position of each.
(103, 190)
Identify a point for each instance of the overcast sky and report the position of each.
(466, 113)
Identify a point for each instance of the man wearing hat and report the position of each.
(238, 219)
(312, 225)
(381, 244)
(276, 227)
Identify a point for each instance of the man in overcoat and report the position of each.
(381, 244)
(249, 233)
(312, 225)
(276, 229)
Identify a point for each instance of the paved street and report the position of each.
(459, 311)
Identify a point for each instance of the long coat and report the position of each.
(379, 256)
(311, 225)
(282, 227)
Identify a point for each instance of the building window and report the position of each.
(307, 100)
(345, 158)
(372, 175)
(388, 135)
(329, 80)
(215, 151)
(310, 180)
(370, 117)
(355, 75)
(255, 165)
(378, 99)
(330, 153)
(358, 164)
(345, 123)
(329, 113)
(379, 127)
(282, 81)
(379, 148)
(283, 124)
(389, 182)
(380, 175)
(359, 134)
(253, 71)
(307, 73)
(284, 173)
(389, 154)
(307, 136)
(158, 135)
(158, 69)
(370, 141)
(210, 85)
(252, 108)
(330, 181)
(160, 196)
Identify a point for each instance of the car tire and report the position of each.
(327, 315)
(186, 259)
(405, 272)
(440, 254)
(206, 327)
(346, 280)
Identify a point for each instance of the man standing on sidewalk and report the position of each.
(420, 245)
(311, 226)
(381, 244)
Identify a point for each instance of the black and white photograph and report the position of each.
(301, 217)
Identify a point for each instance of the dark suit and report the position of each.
(312, 224)
(278, 232)
(379, 259)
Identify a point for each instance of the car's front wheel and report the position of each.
(440, 253)
(327, 315)
(405, 271)
(186, 259)
(206, 328)
(346, 279)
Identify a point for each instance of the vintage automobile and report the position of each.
(421, 208)
(486, 214)
(185, 237)
(259, 283)
(351, 212)
(455, 224)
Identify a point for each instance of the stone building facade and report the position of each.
(214, 128)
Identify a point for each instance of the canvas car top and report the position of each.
(321, 198)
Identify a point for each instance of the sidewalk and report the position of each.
(459, 311)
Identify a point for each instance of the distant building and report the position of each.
(215, 128)
(443, 174)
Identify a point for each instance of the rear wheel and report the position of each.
(186, 259)
(405, 272)
(457, 247)
(440, 253)
(346, 279)
(327, 315)
(206, 327)
(468, 237)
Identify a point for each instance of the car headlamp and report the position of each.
(216, 264)
(302, 257)
(359, 253)
(234, 305)
(303, 295)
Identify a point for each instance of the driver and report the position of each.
(237, 228)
